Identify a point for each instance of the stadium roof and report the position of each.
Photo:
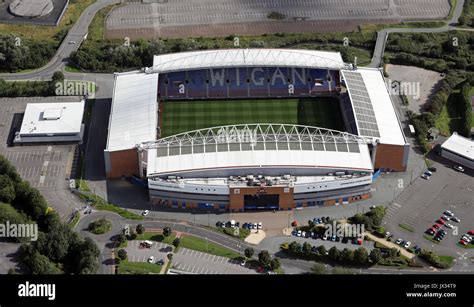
(56, 118)
(257, 145)
(133, 118)
(375, 114)
(247, 57)
(460, 145)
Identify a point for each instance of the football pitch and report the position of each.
(182, 116)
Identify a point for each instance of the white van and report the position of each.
(232, 223)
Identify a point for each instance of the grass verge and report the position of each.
(200, 245)
(158, 237)
(126, 267)
(406, 227)
(100, 204)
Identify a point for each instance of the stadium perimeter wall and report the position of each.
(121, 163)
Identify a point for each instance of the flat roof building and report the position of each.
(459, 149)
(52, 122)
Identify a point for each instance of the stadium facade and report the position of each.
(259, 165)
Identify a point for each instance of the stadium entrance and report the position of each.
(260, 198)
(261, 202)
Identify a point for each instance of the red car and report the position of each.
(436, 226)
(441, 221)
(294, 224)
(471, 232)
(462, 242)
(359, 241)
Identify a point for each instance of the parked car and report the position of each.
(218, 224)
(303, 234)
(298, 234)
(458, 168)
(243, 262)
(259, 225)
(428, 173)
(237, 224)
(470, 232)
(462, 242)
(160, 262)
(430, 231)
(455, 219)
(294, 233)
(432, 169)
(294, 224)
(151, 259)
(446, 218)
(325, 238)
(345, 240)
(440, 221)
(407, 244)
(254, 226)
(448, 213)
(436, 226)
(333, 238)
(424, 176)
(145, 213)
(450, 226)
(399, 241)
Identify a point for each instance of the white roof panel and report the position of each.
(269, 158)
(247, 57)
(460, 145)
(133, 116)
(52, 118)
(386, 120)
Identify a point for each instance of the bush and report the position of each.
(100, 226)
(122, 254)
(249, 251)
(140, 229)
(176, 242)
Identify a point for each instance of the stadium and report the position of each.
(253, 129)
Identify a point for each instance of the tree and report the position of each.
(249, 252)
(393, 252)
(264, 257)
(295, 247)
(7, 189)
(361, 256)
(140, 229)
(375, 256)
(334, 253)
(121, 238)
(58, 76)
(122, 254)
(321, 250)
(41, 265)
(318, 268)
(307, 248)
(347, 255)
(166, 231)
(176, 242)
(170, 256)
(275, 264)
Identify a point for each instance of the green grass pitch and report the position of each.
(182, 116)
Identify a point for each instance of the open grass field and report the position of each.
(182, 116)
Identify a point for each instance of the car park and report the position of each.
(455, 219)
(458, 168)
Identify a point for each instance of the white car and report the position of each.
(242, 263)
(450, 226)
(303, 233)
(298, 234)
(151, 259)
(467, 238)
(72, 42)
(424, 176)
(455, 219)
(254, 226)
(260, 225)
(325, 238)
(145, 213)
(398, 241)
(407, 244)
(458, 168)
